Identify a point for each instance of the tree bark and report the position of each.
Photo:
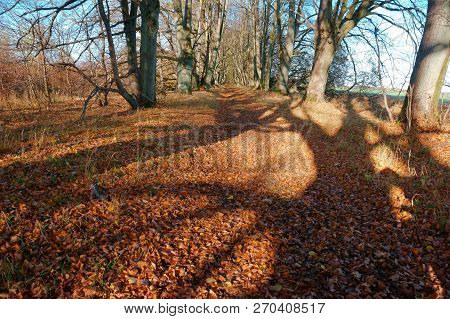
(256, 44)
(272, 42)
(287, 50)
(222, 9)
(104, 102)
(185, 57)
(149, 36)
(331, 27)
(323, 58)
(129, 13)
(325, 48)
(429, 69)
(197, 45)
(113, 58)
(264, 43)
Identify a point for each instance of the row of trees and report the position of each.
(266, 44)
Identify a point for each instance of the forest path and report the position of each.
(228, 193)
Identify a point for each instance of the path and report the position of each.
(267, 200)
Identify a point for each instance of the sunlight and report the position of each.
(371, 135)
(279, 162)
(383, 157)
(398, 201)
(328, 116)
(438, 146)
(437, 285)
(365, 112)
(268, 113)
(224, 149)
(291, 167)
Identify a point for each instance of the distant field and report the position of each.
(393, 94)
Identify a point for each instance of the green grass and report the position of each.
(392, 94)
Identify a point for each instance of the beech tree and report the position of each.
(185, 56)
(149, 36)
(143, 93)
(138, 85)
(287, 48)
(334, 21)
(421, 105)
(222, 13)
(117, 45)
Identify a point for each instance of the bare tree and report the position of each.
(287, 49)
(222, 12)
(334, 21)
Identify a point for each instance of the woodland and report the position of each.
(224, 148)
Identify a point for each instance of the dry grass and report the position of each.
(229, 193)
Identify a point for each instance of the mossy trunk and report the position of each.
(149, 36)
(185, 55)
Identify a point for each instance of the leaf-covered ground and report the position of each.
(233, 193)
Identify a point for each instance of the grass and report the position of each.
(394, 95)
(347, 167)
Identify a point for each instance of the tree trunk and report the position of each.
(197, 45)
(331, 27)
(287, 50)
(129, 15)
(207, 44)
(272, 41)
(429, 69)
(149, 37)
(113, 58)
(222, 9)
(323, 57)
(47, 88)
(185, 57)
(256, 44)
(104, 102)
(264, 44)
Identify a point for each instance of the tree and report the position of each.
(268, 60)
(113, 57)
(99, 22)
(142, 78)
(421, 105)
(185, 56)
(287, 49)
(333, 23)
(149, 36)
(222, 13)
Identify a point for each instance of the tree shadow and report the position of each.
(224, 231)
(364, 261)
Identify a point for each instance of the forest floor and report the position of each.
(224, 194)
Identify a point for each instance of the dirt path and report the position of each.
(264, 200)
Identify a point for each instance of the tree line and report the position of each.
(137, 48)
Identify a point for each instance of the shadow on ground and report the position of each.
(273, 199)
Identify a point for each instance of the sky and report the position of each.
(397, 61)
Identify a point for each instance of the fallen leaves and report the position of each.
(318, 228)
